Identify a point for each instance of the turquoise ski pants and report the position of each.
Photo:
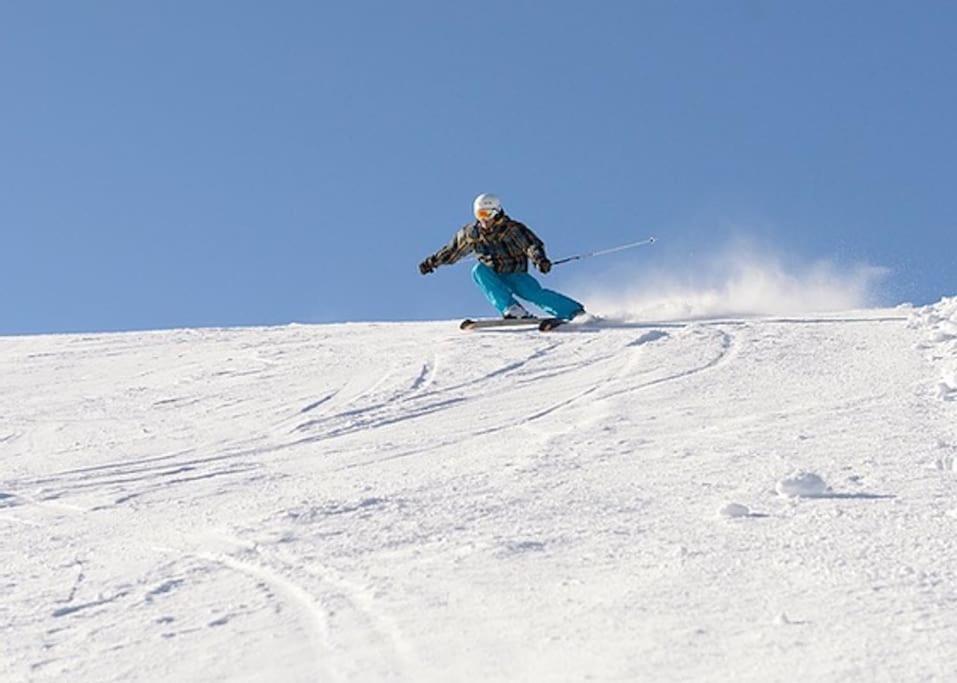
(502, 288)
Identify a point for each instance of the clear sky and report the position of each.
(197, 163)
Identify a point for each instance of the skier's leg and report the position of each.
(494, 287)
(555, 304)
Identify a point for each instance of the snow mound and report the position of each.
(938, 323)
(801, 484)
(734, 510)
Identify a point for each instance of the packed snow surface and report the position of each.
(410, 502)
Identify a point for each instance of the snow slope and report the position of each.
(764, 499)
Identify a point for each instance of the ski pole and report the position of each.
(579, 257)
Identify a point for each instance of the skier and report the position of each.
(503, 247)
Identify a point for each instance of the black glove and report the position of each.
(427, 266)
(544, 265)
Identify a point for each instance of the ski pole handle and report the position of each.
(565, 260)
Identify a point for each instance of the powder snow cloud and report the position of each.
(739, 281)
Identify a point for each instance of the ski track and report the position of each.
(479, 389)
(621, 375)
(315, 404)
(526, 421)
(397, 395)
(426, 375)
(393, 410)
(316, 626)
(345, 403)
(118, 487)
(399, 652)
(337, 596)
(480, 382)
(725, 354)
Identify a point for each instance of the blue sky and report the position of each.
(231, 163)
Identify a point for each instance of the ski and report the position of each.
(549, 324)
(486, 323)
(543, 324)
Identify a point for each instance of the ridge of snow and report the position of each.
(938, 323)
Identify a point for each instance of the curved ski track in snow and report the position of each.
(350, 637)
(294, 593)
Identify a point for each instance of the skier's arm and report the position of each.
(456, 249)
(536, 250)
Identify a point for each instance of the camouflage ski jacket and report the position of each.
(505, 246)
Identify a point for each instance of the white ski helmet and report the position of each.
(488, 204)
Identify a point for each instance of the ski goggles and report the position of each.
(486, 214)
